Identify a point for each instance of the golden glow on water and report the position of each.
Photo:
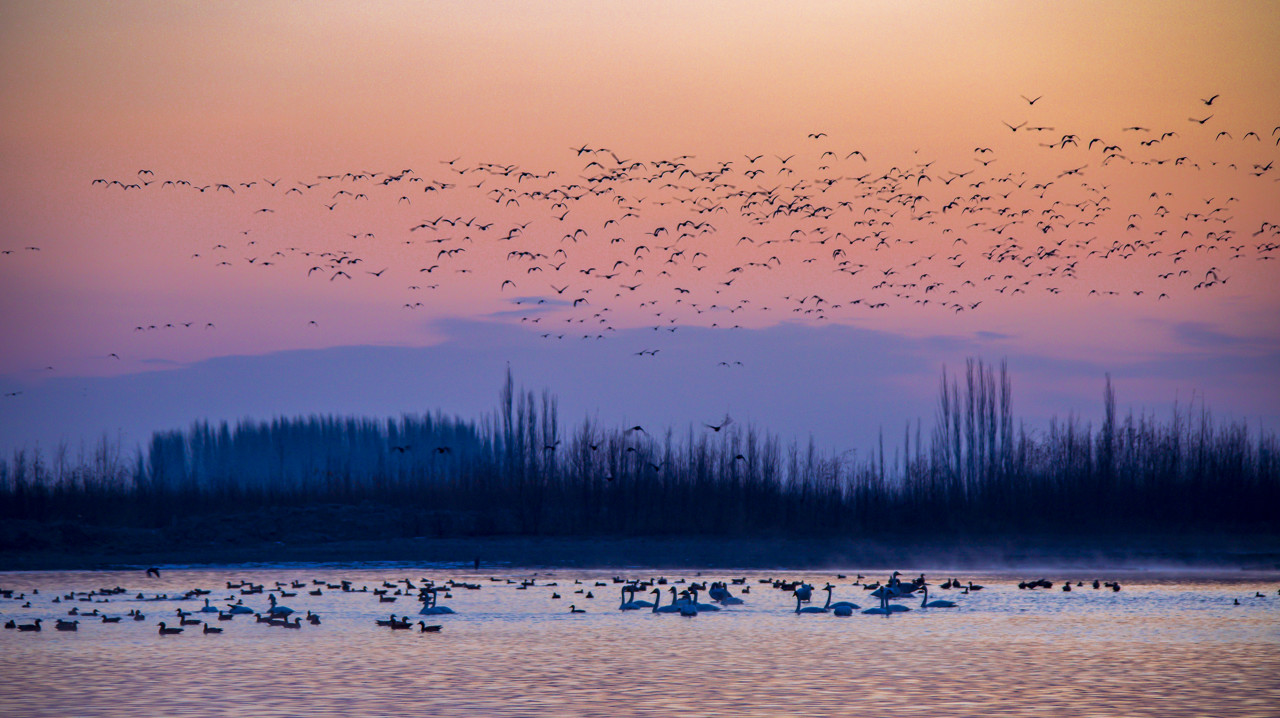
(1168, 646)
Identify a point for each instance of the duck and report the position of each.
(210, 629)
(166, 631)
(30, 626)
(575, 609)
(424, 628)
(62, 625)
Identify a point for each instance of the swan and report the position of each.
(207, 608)
(838, 604)
(926, 603)
(720, 594)
(277, 610)
(430, 608)
(880, 610)
(807, 609)
(693, 598)
(804, 592)
(671, 608)
(239, 608)
(632, 605)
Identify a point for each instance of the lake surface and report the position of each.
(1164, 645)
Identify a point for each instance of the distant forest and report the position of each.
(520, 472)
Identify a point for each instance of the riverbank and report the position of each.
(64, 546)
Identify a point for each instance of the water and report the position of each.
(1165, 645)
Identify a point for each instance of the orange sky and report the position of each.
(237, 92)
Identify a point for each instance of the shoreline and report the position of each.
(1142, 552)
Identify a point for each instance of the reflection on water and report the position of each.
(1163, 646)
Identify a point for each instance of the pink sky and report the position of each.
(241, 93)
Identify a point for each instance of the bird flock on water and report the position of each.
(210, 619)
(830, 232)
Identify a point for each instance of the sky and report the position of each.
(664, 213)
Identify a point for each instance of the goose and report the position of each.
(807, 609)
(926, 603)
(166, 631)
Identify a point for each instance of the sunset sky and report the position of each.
(252, 209)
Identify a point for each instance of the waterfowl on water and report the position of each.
(62, 625)
(166, 631)
(926, 603)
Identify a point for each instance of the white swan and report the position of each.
(672, 608)
(838, 604)
(720, 594)
(807, 609)
(430, 608)
(926, 603)
(277, 610)
(633, 604)
(207, 608)
(693, 598)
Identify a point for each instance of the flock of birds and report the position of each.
(684, 599)
(832, 232)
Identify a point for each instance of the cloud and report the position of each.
(839, 384)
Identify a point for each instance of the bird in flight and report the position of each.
(716, 428)
(1209, 101)
(1029, 100)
